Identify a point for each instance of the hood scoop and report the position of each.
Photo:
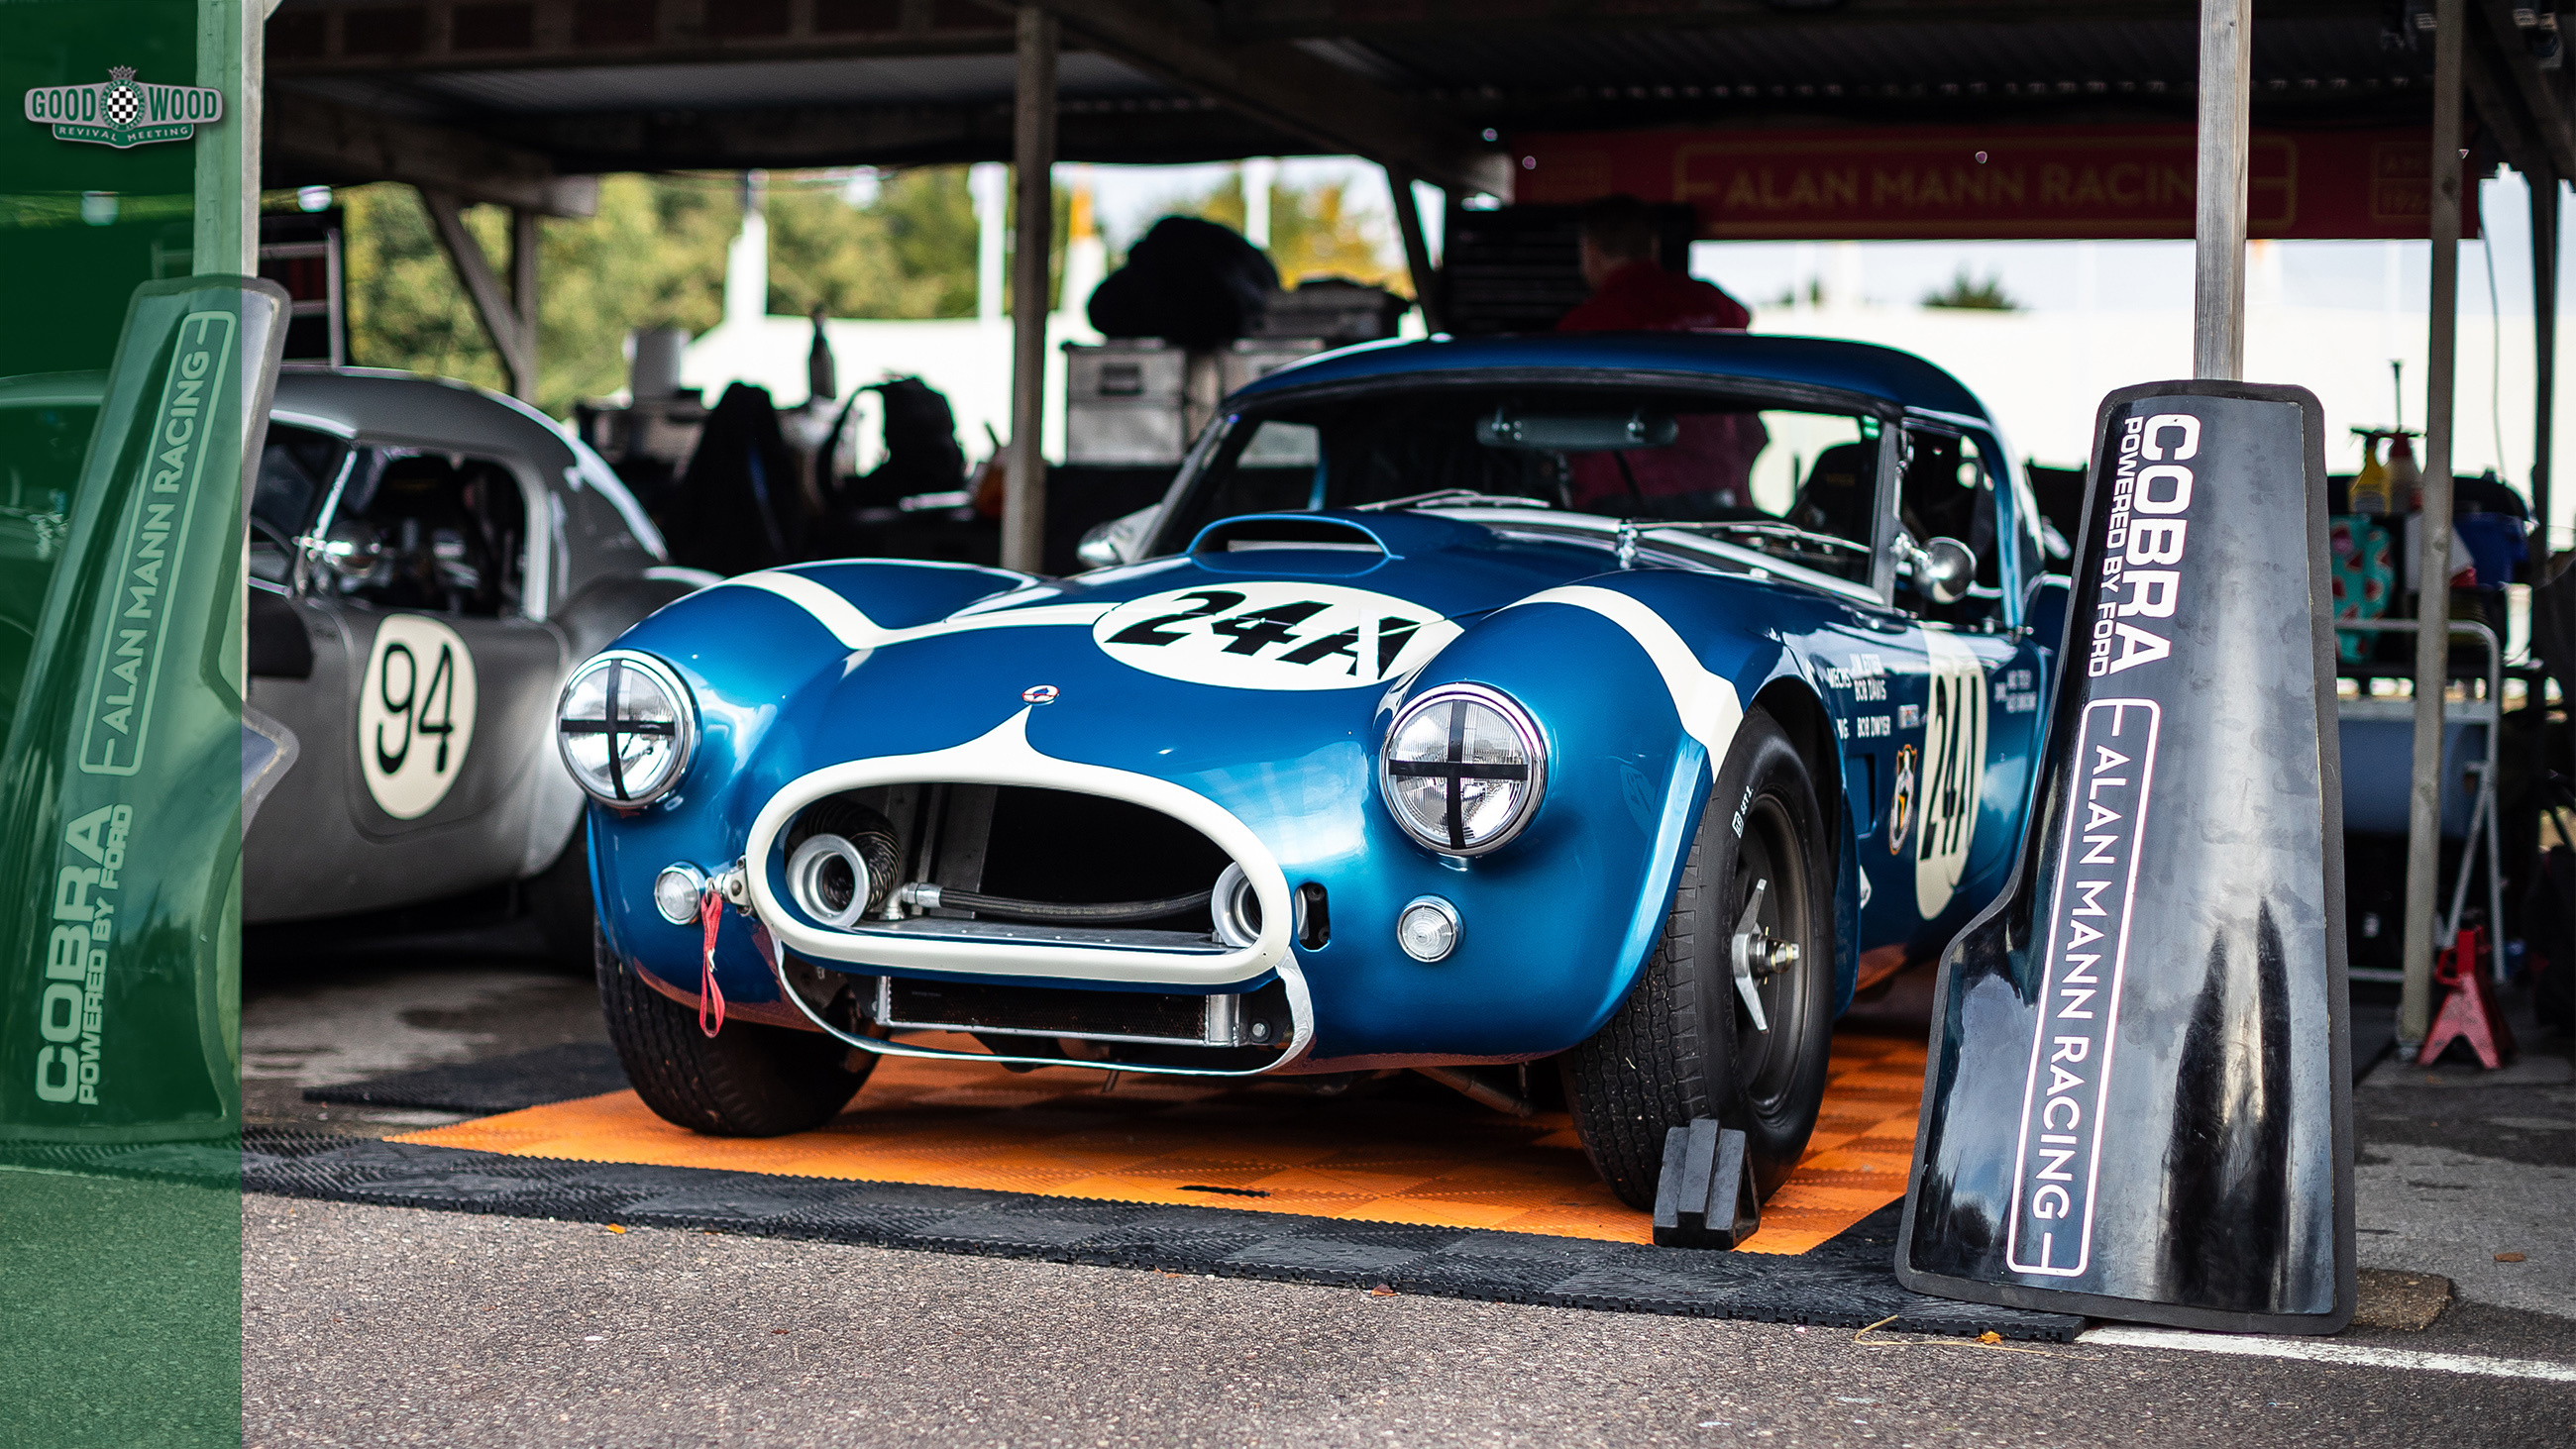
(1289, 543)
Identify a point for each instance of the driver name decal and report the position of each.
(415, 714)
(1273, 635)
(2057, 1163)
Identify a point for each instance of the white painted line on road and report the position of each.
(2321, 1351)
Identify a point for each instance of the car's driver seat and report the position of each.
(1840, 492)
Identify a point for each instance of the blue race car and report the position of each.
(1621, 702)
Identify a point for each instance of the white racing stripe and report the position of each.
(1707, 702)
(856, 630)
(2313, 1350)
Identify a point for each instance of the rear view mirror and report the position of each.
(348, 548)
(1943, 568)
(1576, 432)
(1120, 540)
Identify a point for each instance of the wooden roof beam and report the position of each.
(1182, 129)
(308, 137)
(338, 37)
(2525, 87)
(1249, 20)
(1281, 84)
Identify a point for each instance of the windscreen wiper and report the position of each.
(1451, 497)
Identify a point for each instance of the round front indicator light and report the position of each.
(625, 726)
(1427, 928)
(677, 891)
(1463, 768)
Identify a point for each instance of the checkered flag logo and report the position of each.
(124, 100)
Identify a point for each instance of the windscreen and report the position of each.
(1802, 484)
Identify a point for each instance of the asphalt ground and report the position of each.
(368, 1325)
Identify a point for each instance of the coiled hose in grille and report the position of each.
(1101, 913)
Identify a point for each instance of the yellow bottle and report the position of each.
(2370, 485)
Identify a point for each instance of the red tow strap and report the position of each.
(710, 995)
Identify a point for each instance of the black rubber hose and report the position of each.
(1104, 913)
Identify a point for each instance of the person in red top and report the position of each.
(1631, 289)
(1708, 465)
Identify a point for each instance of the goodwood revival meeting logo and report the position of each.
(124, 112)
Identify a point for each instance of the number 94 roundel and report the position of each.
(415, 714)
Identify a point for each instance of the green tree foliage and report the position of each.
(1313, 233)
(653, 256)
(907, 252)
(1969, 294)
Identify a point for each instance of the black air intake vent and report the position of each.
(1262, 532)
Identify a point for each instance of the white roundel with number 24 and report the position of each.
(415, 714)
(1265, 634)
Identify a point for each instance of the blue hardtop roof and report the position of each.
(1859, 367)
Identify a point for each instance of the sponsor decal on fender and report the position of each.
(415, 715)
(1273, 635)
(2059, 1157)
(1900, 801)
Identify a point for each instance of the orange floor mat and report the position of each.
(1407, 1156)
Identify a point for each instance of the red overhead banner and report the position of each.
(1990, 183)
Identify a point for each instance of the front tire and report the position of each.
(748, 1080)
(1683, 1045)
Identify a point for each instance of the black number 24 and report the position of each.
(1151, 631)
(1256, 629)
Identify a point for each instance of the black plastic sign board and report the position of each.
(2138, 1104)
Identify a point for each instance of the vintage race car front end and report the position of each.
(1276, 809)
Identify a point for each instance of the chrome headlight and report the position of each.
(1463, 768)
(626, 726)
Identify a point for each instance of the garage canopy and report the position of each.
(496, 100)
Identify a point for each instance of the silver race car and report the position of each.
(428, 562)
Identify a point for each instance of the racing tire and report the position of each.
(1682, 1045)
(748, 1080)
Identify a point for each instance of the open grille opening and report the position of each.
(1056, 845)
(1023, 854)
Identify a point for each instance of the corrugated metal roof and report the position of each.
(2323, 67)
(1511, 61)
(857, 81)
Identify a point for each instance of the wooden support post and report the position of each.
(1033, 163)
(2218, 226)
(523, 300)
(1417, 250)
(2433, 612)
(2544, 338)
(500, 307)
(231, 51)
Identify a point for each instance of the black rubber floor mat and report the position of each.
(2374, 1035)
(502, 1084)
(1846, 1282)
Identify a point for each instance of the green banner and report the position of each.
(120, 845)
(135, 365)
